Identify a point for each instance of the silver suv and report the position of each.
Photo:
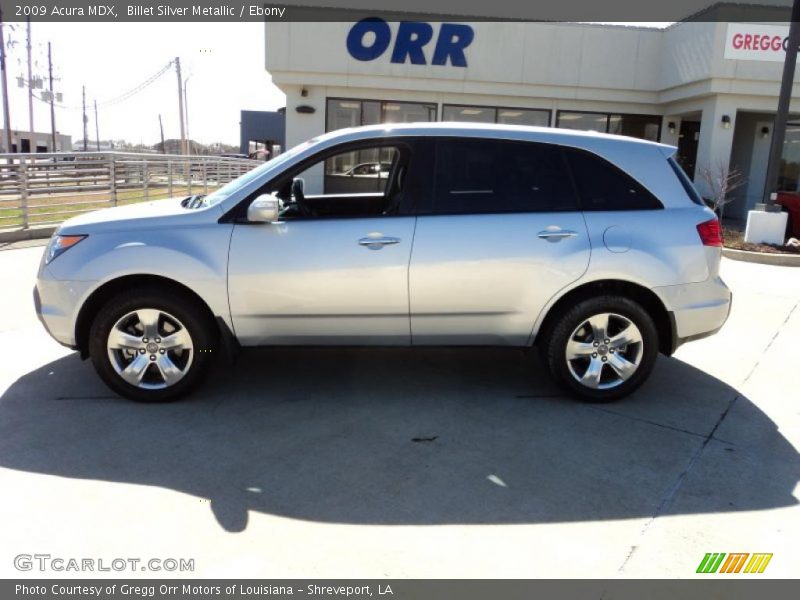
(595, 248)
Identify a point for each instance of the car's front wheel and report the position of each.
(152, 346)
(602, 348)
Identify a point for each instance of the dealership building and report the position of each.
(711, 89)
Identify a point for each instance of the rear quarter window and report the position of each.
(687, 184)
(603, 186)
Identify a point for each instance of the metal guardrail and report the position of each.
(46, 189)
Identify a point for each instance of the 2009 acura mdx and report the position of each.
(595, 248)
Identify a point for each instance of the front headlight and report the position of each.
(60, 244)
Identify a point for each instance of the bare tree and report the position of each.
(720, 182)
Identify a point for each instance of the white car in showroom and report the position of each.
(594, 248)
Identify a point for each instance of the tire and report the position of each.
(574, 347)
(152, 369)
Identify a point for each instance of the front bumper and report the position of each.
(57, 303)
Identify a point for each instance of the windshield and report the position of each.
(240, 182)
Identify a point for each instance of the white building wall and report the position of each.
(678, 73)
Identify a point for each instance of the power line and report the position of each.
(138, 88)
(122, 97)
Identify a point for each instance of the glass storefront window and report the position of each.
(408, 112)
(343, 113)
(370, 113)
(646, 127)
(493, 114)
(519, 116)
(582, 121)
(469, 114)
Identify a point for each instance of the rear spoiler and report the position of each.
(667, 151)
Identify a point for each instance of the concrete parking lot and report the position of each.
(400, 463)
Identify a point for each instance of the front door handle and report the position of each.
(376, 242)
(555, 234)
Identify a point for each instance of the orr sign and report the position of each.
(370, 38)
(756, 42)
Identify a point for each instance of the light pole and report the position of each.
(785, 98)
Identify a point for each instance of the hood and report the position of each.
(158, 213)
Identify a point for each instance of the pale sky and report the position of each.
(223, 61)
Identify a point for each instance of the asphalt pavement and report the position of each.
(408, 463)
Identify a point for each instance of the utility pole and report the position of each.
(96, 126)
(161, 127)
(180, 104)
(186, 110)
(30, 87)
(6, 115)
(52, 97)
(85, 122)
(779, 127)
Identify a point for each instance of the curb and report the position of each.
(762, 258)
(33, 233)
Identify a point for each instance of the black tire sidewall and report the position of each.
(183, 307)
(555, 346)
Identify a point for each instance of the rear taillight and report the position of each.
(710, 233)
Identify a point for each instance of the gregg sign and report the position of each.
(756, 42)
(370, 38)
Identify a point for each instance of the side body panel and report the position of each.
(318, 282)
(483, 279)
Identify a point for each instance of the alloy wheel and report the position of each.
(604, 351)
(150, 349)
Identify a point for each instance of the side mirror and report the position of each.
(264, 209)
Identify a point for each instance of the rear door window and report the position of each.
(481, 176)
(603, 186)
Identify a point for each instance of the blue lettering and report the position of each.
(355, 39)
(452, 40)
(411, 37)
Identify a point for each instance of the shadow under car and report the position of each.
(399, 436)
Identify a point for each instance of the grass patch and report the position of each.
(53, 208)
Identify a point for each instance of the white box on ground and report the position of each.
(765, 227)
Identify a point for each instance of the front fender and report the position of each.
(195, 257)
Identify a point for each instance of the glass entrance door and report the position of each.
(687, 146)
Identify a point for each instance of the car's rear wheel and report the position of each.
(152, 346)
(602, 348)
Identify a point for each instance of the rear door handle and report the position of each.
(378, 242)
(556, 234)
